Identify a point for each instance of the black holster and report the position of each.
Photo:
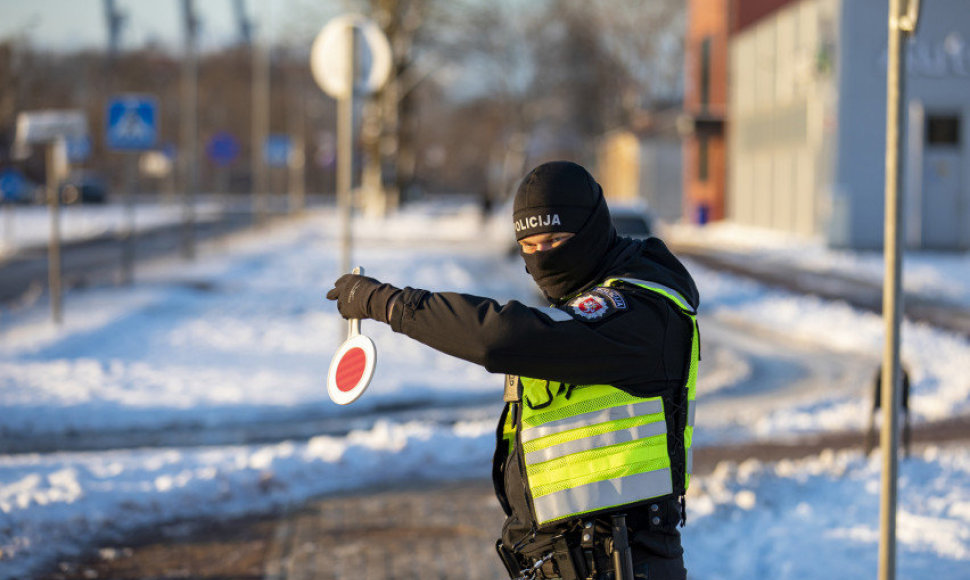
(509, 560)
(622, 556)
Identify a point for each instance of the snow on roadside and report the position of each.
(52, 505)
(944, 275)
(819, 518)
(240, 335)
(935, 359)
(752, 520)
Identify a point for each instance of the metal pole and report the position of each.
(296, 117)
(261, 96)
(297, 176)
(892, 292)
(189, 130)
(128, 227)
(8, 224)
(345, 141)
(54, 243)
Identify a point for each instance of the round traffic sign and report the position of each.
(223, 148)
(351, 369)
(330, 56)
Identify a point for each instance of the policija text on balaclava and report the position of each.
(562, 196)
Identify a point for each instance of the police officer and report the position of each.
(593, 447)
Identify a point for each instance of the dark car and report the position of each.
(632, 221)
(14, 187)
(84, 187)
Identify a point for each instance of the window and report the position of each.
(702, 158)
(705, 70)
(943, 130)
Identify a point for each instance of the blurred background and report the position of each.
(478, 91)
(174, 423)
(767, 112)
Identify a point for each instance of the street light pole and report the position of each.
(345, 147)
(189, 129)
(333, 62)
(261, 105)
(900, 25)
(56, 160)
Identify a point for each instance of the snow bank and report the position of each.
(819, 518)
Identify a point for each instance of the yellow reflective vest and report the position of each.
(596, 448)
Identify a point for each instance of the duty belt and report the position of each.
(572, 560)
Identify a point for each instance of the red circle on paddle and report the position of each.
(350, 369)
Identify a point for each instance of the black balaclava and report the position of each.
(561, 196)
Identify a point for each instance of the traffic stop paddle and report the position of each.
(352, 365)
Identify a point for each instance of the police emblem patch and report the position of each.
(590, 307)
(597, 304)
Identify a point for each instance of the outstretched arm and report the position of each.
(624, 348)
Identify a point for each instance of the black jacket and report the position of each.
(628, 349)
(643, 348)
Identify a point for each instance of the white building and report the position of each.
(807, 111)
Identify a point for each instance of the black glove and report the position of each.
(362, 297)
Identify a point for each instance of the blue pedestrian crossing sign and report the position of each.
(132, 122)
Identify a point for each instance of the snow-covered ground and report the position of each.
(245, 336)
(942, 275)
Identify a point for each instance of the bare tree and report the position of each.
(479, 89)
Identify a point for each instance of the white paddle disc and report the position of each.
(351, 369)
(352, 366)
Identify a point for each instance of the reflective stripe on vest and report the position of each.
(590, 448)
(667, 291)
(695, 353)
(625, 412)
(604, 494)
(602, 440)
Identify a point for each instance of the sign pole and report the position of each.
(189, 130)
(260, 128)
(128, 229)
(132, 127)
(54, 244)
(900, 25)
(345, 143)
(333, 62)
(296, 180)
(8, 233)
(52, 129)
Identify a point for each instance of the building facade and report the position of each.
(807, 114)
(705, 106)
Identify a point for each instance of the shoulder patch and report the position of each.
(597, 304)
(612, 295)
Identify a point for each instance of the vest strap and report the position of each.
(665, 290)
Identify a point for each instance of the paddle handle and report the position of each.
(354, 323)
